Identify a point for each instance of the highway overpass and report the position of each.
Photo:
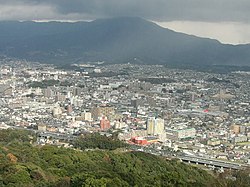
(212, 162)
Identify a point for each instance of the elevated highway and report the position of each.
(212, 162)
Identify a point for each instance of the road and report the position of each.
(192, 159)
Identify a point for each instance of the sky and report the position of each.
(225, 20)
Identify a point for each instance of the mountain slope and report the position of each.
(116, 40)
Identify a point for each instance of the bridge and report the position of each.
(208, 162)
(212, 162)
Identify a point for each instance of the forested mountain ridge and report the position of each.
(116, 40)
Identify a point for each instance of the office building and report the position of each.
(104, 123)
(155, 126)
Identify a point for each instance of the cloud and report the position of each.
(25, 12)
(158, 10)
(225, 32)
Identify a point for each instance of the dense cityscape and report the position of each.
(186, 112)
(109, 93)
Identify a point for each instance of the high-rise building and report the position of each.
(155, 126)
(77, 91)
(48, 92)
(104, 123)
(87, 116)
(69, 109)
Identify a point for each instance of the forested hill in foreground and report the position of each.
(117, 40)
(23, 164)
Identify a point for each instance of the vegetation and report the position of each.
(22, 164)
(44, 83)
(47, 83)
(95, 140)
(22, 136)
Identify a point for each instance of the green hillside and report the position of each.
(23, 164)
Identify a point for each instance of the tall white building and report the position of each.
(155, 126)
(87, 116)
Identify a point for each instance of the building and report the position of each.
(41, 127)
(59, 97)
(5, 90)
(87, 116)
(98, 112)
(139, 140)
(57, 111)
(137, 133)
(77, 91)
(239, 139)
(119, 124)
(48, 92)
(235, 129)
(243, 129)
(155, 126)
(213, 142)
(185, 133)
(104, 123)
(162, 137)
(97, 70)
(143, 101)
(179, 134)
(151, 139)
(69, 109)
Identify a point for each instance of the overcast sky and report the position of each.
(225, 20)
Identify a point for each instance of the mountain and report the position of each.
(116, 40)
